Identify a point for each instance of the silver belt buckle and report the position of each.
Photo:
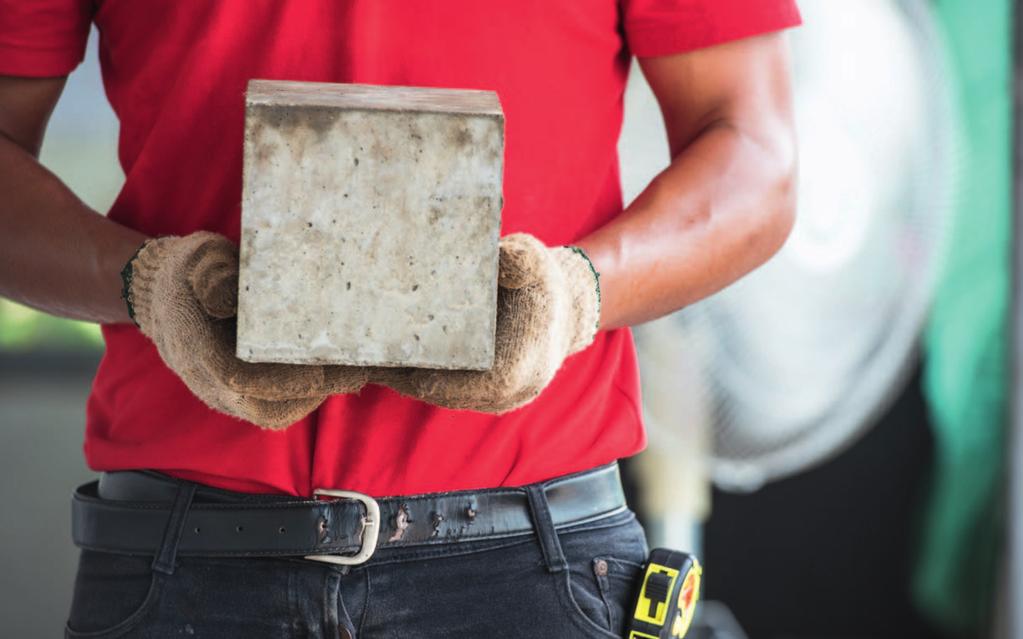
(370, 528)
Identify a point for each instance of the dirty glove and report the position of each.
(183, 294)
(548, 303)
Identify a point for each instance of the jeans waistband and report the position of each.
(144, 512)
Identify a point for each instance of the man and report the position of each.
(211, 538)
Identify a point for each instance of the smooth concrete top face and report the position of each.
(370, 223)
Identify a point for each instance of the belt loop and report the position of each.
(553, 556)
(164, 559)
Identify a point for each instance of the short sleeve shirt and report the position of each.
(175, 73)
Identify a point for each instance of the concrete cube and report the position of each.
(370, 223)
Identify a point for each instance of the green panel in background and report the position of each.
(24, 329)
(967, 339)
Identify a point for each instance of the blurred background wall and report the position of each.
(849, 398)
(826, 436)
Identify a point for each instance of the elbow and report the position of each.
(779, 216)
(785, 211)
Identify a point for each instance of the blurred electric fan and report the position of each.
(801, 356)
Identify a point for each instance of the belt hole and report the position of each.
(196, 530)
(239, 528)
(281, 530)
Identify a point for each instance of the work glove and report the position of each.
(548, 304)
(183, 294)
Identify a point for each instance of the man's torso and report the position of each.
(175, 74)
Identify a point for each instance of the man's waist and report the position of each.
(128, 511)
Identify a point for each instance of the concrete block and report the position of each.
(370, 223)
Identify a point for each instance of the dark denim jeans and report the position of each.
(577, 582)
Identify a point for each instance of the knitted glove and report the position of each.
(548, 303)
(184, 295)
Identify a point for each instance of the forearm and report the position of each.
(56, 254)
(722, 208)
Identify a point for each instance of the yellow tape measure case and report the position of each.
(667, 598)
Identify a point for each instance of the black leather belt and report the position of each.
(128, 511)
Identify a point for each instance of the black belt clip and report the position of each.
(667, 600)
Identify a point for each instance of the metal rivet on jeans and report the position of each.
(600, 567)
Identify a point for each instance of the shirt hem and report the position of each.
(39, 63)
(667, 39)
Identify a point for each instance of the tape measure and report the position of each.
(667, 599)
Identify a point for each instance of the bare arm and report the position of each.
(726, 202)
(56, 254)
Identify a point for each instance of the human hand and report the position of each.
(548, 304)
(184, 293)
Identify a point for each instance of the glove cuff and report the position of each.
(584, 287)
(127, 275)
(140, 276)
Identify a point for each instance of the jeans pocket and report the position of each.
(618, 581)
(113, 594)
(604, 572)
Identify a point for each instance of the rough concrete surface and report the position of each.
(370, 225)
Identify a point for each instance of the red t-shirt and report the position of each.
(175, 73)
